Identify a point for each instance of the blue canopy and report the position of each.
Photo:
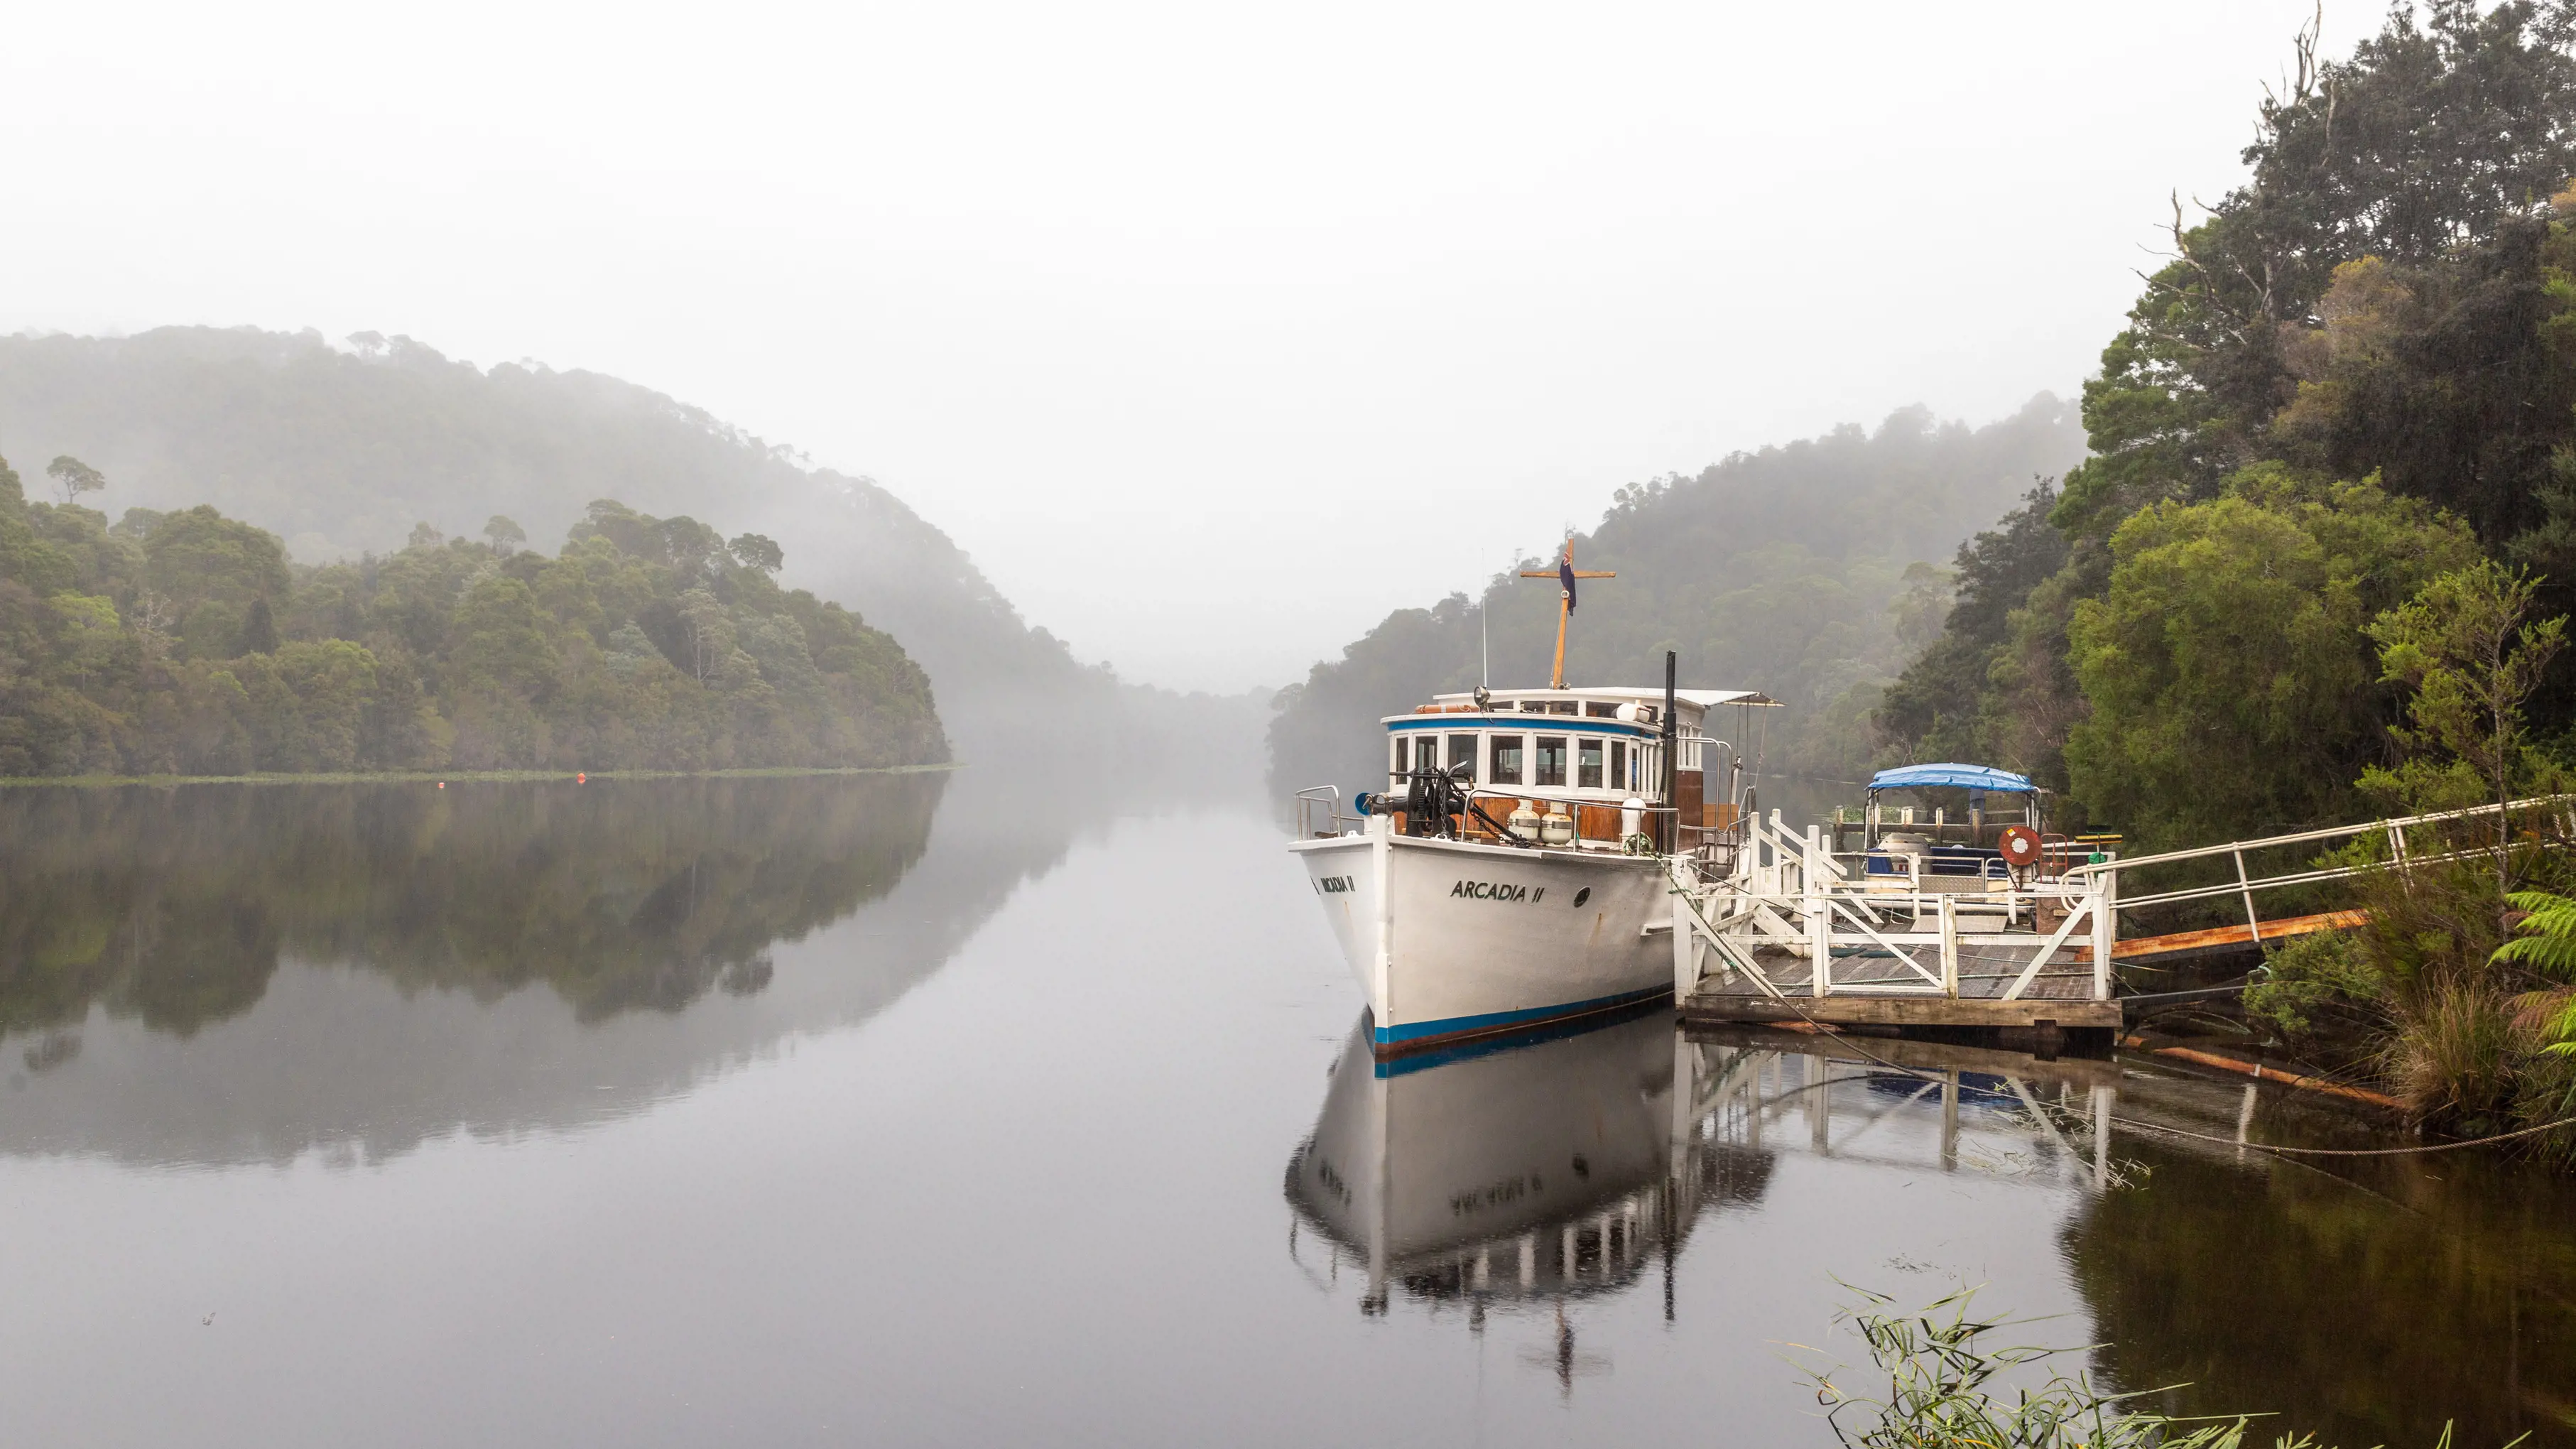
(1973, 777)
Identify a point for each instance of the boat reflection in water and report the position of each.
(1540, 1171)
(1519, 1169)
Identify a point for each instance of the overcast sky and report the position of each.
(1213, 332)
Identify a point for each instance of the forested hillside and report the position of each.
(2358, 373)
(343, 450)
(1806, 571)
(187, 643)
(2319, 562)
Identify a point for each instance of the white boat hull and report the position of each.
(1453, 939)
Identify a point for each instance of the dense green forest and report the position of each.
(342, 449)
(186, 643)
(2357, 374)
(175, 906)
(1803, 571)
(2318, 562)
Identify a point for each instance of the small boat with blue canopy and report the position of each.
(1920, 836)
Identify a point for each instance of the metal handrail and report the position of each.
(1312, 796)
(2299, 837)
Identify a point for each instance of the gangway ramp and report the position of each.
(2179, 947)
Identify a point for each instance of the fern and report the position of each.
(2545, 939)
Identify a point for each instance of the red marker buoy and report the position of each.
(581, 779)
(442, 784)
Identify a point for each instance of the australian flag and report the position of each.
(1565, 576)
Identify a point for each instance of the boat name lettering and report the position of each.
(1334, 885)
(1501, 1194)
(1489, 890)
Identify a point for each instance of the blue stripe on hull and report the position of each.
(1404, 1061)
(1419, 1034)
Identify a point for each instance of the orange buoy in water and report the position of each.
(442, 784)
(581, 779)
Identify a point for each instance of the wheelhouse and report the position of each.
(1595, 757)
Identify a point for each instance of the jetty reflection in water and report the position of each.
(1542, 1170)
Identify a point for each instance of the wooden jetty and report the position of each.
(1795, 934)
(1787, 930)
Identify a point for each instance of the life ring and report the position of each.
(2020, 846)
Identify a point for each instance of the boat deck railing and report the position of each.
(1319, 812)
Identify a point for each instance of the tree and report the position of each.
(504, 534)
(2428, 138)
(258, 630)
(197, 556)
(2463, 646)
(2231, 682)
(709, 632)
(501, 644)
(74, 477)
(753, 551)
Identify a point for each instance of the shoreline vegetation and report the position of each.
(186, 643)
(1949, 1385)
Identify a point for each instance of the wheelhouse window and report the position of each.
(1462, 751)
(1507, 758)
(1587, 765)
(1400, 746)
(1619, 766)
(1601, 711)
(1551, 760)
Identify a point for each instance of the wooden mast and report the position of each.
(1564, 601)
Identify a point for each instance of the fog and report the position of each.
(1211, 334)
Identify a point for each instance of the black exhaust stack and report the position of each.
(1668, 837)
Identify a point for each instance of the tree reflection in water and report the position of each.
(175, 906)
(2367, 1301)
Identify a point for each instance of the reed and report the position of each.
(1942, 1370)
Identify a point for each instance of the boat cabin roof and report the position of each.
(1970, 777)
(1627, 703)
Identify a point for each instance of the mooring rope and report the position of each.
(2346, 1151)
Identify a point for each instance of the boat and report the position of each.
(1909, 844)
(1518, 869)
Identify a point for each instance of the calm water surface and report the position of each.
(942, 1110)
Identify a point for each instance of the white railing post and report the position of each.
(1685, 949)
(2253, 922)
(1949, 948)
(2106, 927)
(1820, 935)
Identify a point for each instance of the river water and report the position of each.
(942, 1109)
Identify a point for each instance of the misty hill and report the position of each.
(342, 450)
(1808, 572)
